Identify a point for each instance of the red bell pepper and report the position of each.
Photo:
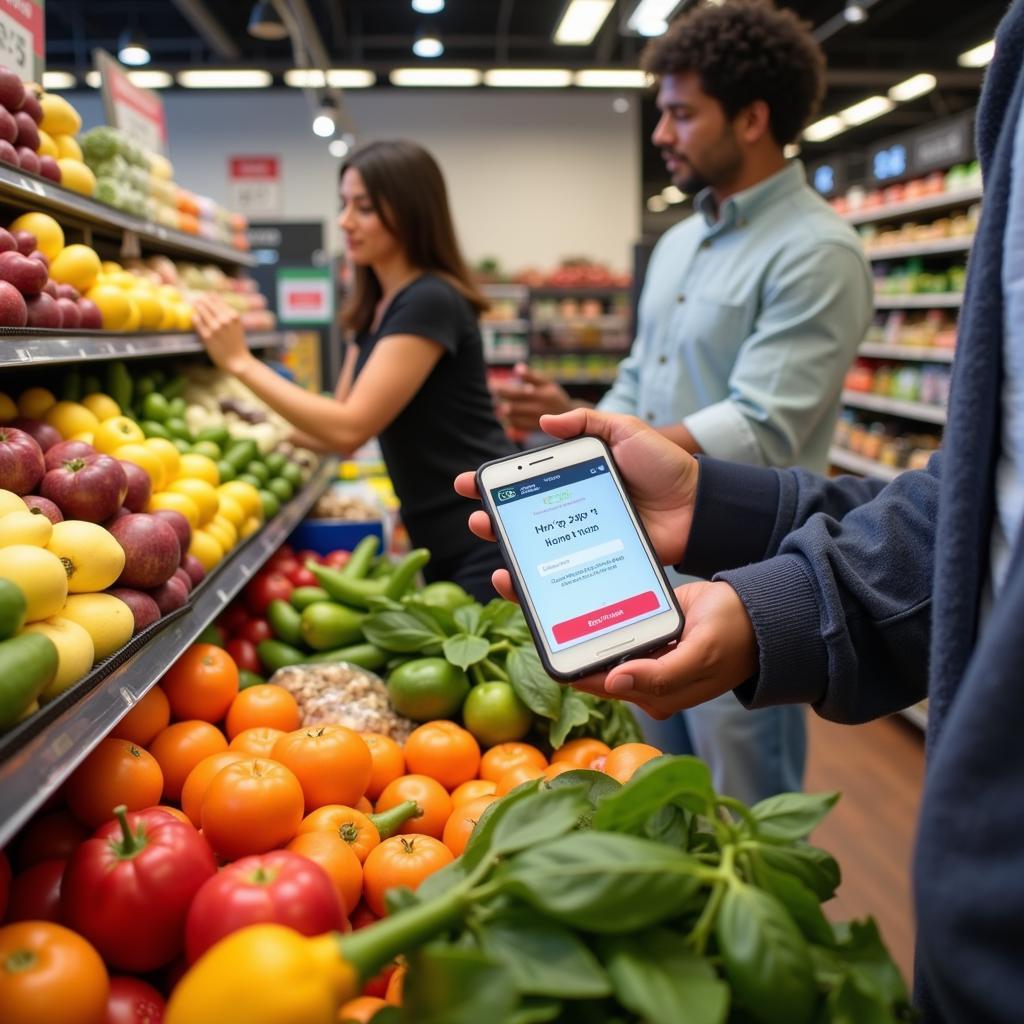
(128, 888)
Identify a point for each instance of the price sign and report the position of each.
(305, 295)
(139, 113)
(22, 38)
(254, 184)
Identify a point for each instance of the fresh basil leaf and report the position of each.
(670, 825)
(864, 954)
(683, 780)
(767, 960)
(848, 1003)
(437, 615)
(817, 869)
(468, 618)
(802, 904)
(456, 986)
(441, 881)
(573, 712)
(497, 612)
(543, 958)
(387, 1015)
(403, 633)
(399, 898)
(465, 650)
(533, 686)
(598, 785)
(541, 817)
(656, 975)
(790, 816)
(479, 845)
(535, 1010)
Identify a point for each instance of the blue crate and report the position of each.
(326, 535)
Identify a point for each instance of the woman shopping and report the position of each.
(415, 374)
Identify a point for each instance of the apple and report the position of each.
(180, 525)
(151, 550)
(32, 107)
(42, 507)
(139, 486)
(64, 450)
(21, 460)
(119, 514)
(12, 90)
(49, 168)
(194, 568)
(44, 434)
(26, 274)
(92, 318)
(51, 288)
(70, 317)
(90, 488)
(8, 126)
(144, 608)
(13, 311)
(8, 154)
(180, 574)
(28, 160)
(38, 254)
(170, 595)
(67, 291)
(26, 241)
(7, 242)
(42, 311)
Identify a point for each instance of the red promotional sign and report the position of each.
(139, 113)
(254, 168)
(23, 37)
(254, 184)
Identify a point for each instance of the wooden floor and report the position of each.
(879, 769)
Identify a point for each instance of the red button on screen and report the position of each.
(602, 618)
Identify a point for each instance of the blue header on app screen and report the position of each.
(579, 553)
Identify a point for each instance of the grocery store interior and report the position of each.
(170, 166)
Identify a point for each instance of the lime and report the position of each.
(281, 488)
(494, 714)
(258, 470)
(155, 407)
(248, 478)
(218, 435)
(270, 503)
(178, 428)
(444, 594)
(177, 407)
(207, 448)
(292, 473)
(144, 386)
(152, 428)
(274, 461)
(226, 470)
(181, 444)
(427, 688)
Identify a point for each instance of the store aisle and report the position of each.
(879, 769)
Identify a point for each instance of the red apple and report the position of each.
(42, 311)
(49, 168)
(8, 126)
(67, 291)
(180, 574)
(26, 274)
(32, 107)
(178, 523)
(51, 288)
(37, 254)
(170, 595)
(194, 568)
(46, 435)
(119, 514)
(13, 311)
(70, 317)
(21, 460)
(92, 318)
(151, 550)
(28, 159)
(144, 608)
(64, 450)
(42, 507)
(90, 488)
(12, 90)
(139, 486)
(8, 154)
(7, 242)
(26, 241)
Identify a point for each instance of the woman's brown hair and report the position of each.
(407, 190)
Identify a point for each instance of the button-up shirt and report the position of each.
(750, 315)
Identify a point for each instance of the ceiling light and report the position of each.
(222, 78)
(866, 110)
(436, 77)
(656, 204)
(979, 56)
(826, 128)
(151, 79)
(911, 88)
(791, 151)
(53, 80)
(334, 78)
(131, 48)
(428, 45)
(611, 78)
(338, 148)
(650, 17)
(323, 123)
(525, 78)
(93, 79)
(672, 195)
(855, 13)
(620, 105)
(265, 23)
(582, 21)
(427, 6)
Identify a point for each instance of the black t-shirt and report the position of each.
(449, 426)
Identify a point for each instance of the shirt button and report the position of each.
(650, 417)
(706, 244)
(742, 222)
(680, 298)
(662, 359)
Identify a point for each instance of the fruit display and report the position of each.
(959, 178)
(886, 441)
(912, 278)
(960, 225)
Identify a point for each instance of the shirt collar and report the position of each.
(745, 205)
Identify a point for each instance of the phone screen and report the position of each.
(579, 553)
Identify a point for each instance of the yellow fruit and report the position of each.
(71, 418)
(134, 316)
(201, 492)
(123, 279)
(248, 528)
(199, 467)
(184, 316)
(91, 557)
(68, 149)
(75, 653)
(206, 549)
(39, 575)
(34, 402)
(178, 503)
(59, 117)
(83, 435)
(49, 234)
(169, 455)
(232, 510)
(107, 620)
(8, 410)
(245, 494)
(11, 502)
(148, 459)
(24, 528)
(47, 147)
(102, 406)
(110, 267)
(113, 305)
(117, 431)
(169, 320)
(77, 265)
(222, 531)
(77, 176)
(151, 312)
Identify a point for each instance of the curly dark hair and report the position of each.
(746, 50)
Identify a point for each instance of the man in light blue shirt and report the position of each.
(751, 311)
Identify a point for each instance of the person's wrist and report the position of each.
(240, 365)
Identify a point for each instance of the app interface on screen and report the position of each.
(581, 557)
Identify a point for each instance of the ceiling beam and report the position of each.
(198, 15)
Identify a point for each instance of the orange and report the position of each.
(360, 1010)
(388, 762)
(433, 799)
(517, 776)
(473, 790)
(401, 861)
(580, 753)
(557, 768)
(256, 742)
(498, 760)
(116, 772)
(262, 704)
(444, 751)
(352, 826)
(180, 747)
(202, 684)
(331, 762)
(334, 855)
(460, 825)
(624, 760)
(150, 714)
(175, 812)
(199, 779)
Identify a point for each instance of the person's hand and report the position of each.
(220, 330)
(526, 396)
(717, 652)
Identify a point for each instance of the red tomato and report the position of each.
(255, 631)
(302, 577)
(337, 559)
(266, 587)
(132, 1001)
(270, 888)
(35, 893)
(243, 654)
(52, 836)
(233, 618)
(282, 563)
(5, 882)
(308, 555)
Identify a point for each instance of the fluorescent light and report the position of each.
(525, 78)
(323, 126)
(235, 78)
(151, 79)
(979, 56)
(855, 13)
(866, 110)
(824, 129)
(338, 148)
(582, 21)
(93, 79)
(436, 77)
(611, 78)
(911, 88)
(620, 105)
(790, 151)
(53, 80)
(656, 204)
(133, 55)
(427, 6)
(335, 78)
(428, 47)
(672, 195)
(650, 17)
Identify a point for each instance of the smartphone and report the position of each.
(590, 584)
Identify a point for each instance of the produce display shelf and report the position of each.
(583, 350)
(577, 293)
(926, 204)
(935, 247)
(584, 381)
(518, 324)
(612, 321)
(28, 192)
(918, 714)
(859, 464)
(921, 411)
(924, 300)
(914, 353)
(28, 347)
(31, 774)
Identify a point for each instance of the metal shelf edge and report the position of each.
(896, 407)
(920, 300)
(924, 205)
(859, 464)
(913, 353)
(936, 247)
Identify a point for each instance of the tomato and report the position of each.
(57, 977)
(350, 825)
(51, 836)
(580, 753)
(133, 1001)
(255, 631)
(361, 1010)
(498, 760)
(262, 705)
(337, 858)
(433, 799)
(201, 684)
(337, 559)
(233, 618)
(331, 762)
(401, 860)
(517, 776)
(266, 587)
(308, 555)
(198, 781)
(473, 790)
(150, 714)
(256, 742)
(116, 772)
(462, 822)
(302, 577)
(180, 747)
(624, 760)
(277, 888)
(361, 917)
(388, 762)
(174, 812)
(35, 893)
(444, 751)
(557, 768)
(251, 806)
(243, 653)
(282, 564)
